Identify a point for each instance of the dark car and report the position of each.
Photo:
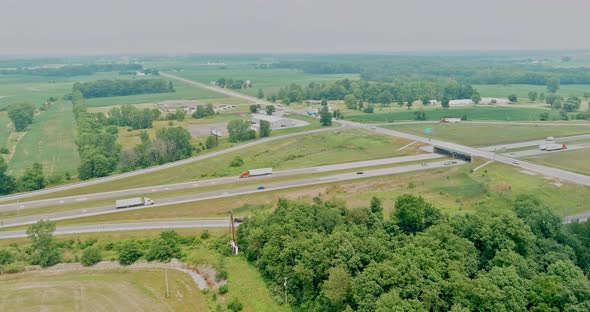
(238, 220)
(260, 188)
(359, 172)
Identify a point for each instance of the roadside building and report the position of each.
(491, 100)
(461, 102)
(276, 122)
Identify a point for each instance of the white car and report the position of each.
(549, 139)
(515, 162)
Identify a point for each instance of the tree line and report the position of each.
(325, 257)
(231, 83)
(72, 70)
(356, 93)
(122, 87)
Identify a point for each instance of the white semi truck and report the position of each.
(256, 172)
(133, 202)
(552, 147)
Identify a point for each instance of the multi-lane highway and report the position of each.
(108, 209)
(145, 191)
(536, 151)
(534, 143)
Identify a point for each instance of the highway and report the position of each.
(161, 167)
(536, 151)
(534, 143)
(108, 209)
(133, 226)
(145, 191)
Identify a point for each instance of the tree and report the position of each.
(163, 250)
(572, 104)
(260, 94)
(533, 96)
(337, 114)
(413, 214)
(337, 288)
(7, 182)
(21, 115)
(129, 252)
(94, 164)
(239, 130)
(253, 108)
(512, 98)
(476, 97)
(325, 116)
(44, 251)
(270, 109)
(264, 129)
(376, 206)
(552, 84)
(369, 109)
(324, 102)
(445, 102)
(176, 143)
(32, 179)
(90, 256)
(350, 101)
(6, 257)
(235, 305)
(236, 162)
(544, 116)
(211, 141)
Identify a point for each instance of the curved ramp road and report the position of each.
(135, 226)
(107, 209)
(145, 191)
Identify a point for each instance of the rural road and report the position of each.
(134, 226)
(107, 209)
(145, 191)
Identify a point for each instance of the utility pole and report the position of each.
(167, 290)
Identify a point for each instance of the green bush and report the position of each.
(12, 268)
(129, 252)
(221, 275)
(90, 256)
(6, 257)
(235, 305)
(237, 162)
(223, 289)
(4, 150)
(205, 234)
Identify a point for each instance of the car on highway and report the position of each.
(549, 139)
(360, 172)
(238, 220)
(515, 162)
(260, 188)
(447, 163)
(454, 162)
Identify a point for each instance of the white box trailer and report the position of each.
(450, 120)
(256, 172)
(133, 202)
(552, 147)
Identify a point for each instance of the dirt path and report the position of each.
(203, 281)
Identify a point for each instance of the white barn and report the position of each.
(461, 102)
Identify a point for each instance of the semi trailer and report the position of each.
(133, 202)
(256, 172)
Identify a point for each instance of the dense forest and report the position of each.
(123, 87)
(336, 259)
(71, 70)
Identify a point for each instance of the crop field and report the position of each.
(574, 160)
(472, 113)
(34, 90)
(269, 80)
(111, 290)
(522, 91)
(50, 141)
(296, 152)
(490, 134)
(184, 91)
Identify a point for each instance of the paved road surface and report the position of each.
(135, 226)
(162, 167)
(145, 191)
(515, 123)
(536, 151)
(93, 211)
(580, 217)
(534, 143)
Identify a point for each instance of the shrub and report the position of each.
(91, 256)
(4, 150)
(237, 162)
(221, 275)
(235, 305)
(205, 234)
(162, 250)
(129, 252)
(6, 257)
(223, 289)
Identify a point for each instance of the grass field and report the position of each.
(522, 91)
(574, 160)
(6, 129)
(489, 134)
(50, 141)
(296, 152)
(269, 80)
(472, 113)
(113, 290)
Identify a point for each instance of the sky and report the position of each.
(73, 27)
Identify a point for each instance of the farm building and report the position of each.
(490, 100)
(170, 106)
(276, 122)
(461, 102)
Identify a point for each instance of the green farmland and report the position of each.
(522, 91)
(484, 134)
(472, 113)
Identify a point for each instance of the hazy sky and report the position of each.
(201, 26)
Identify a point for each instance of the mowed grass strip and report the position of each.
(574, 160)
(317, 149)
(6, 128)
(50, 141)
(110, 290)
(489, 134)
(472, 113)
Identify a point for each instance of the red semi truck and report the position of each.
(256, 172)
